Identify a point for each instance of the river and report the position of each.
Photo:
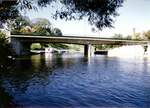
(71, 80)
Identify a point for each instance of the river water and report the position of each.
(70, 80)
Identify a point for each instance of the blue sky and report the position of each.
(133, 14)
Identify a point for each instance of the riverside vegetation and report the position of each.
(5, 50)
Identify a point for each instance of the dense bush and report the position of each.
(5, 51)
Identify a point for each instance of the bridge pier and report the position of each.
(88, 50)
(20, 48)
(148, 49)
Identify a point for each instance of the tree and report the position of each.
(25, 30)
(38, 26)
(37, 30)
(23, 25)
(20, 24)
(42, 22)
(21, 21)
(41, 26)
(147, 34)
(8, 11)
(137, 36)
(100, 13)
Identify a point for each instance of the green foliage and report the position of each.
(39, 26)
(8, 10)
(35, 46)
(20, 25)
(20, 22)
(41, 22)
(100, 13)
(147, 34)
(4, 48)
(38, 30)
(2, 37)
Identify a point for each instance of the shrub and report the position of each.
(4, 48)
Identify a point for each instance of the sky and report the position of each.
(133, 14)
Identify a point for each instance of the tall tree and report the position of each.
(100, 13)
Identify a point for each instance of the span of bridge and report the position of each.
(21, 43)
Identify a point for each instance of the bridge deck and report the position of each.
(74, 40)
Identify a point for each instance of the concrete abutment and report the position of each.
(20, 48)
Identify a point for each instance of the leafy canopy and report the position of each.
(100, 13)
(38, 26)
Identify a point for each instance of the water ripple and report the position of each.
(78, 82)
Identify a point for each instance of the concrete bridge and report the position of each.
(21, 43)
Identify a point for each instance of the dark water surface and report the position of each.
(71, 80)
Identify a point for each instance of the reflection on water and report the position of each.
(70, 80)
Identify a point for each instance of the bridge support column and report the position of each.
(88, 50)
(20, 48)
(148, 49)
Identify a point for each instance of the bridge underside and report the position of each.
(23, 48)
(21, 44)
